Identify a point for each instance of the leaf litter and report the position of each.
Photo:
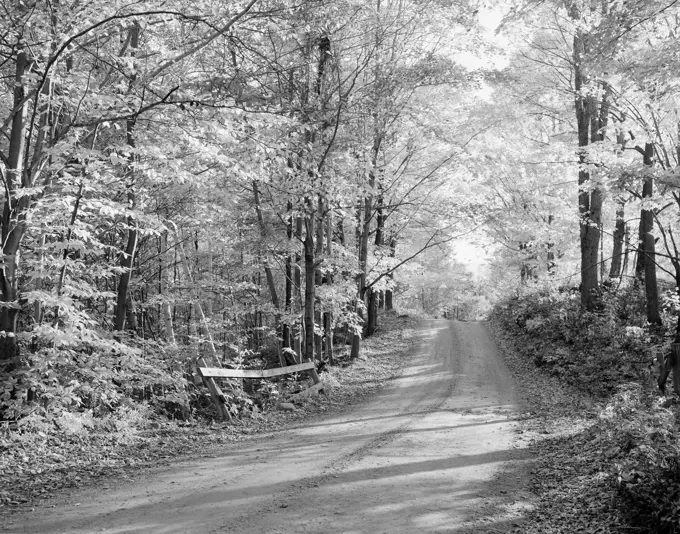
(571, 475)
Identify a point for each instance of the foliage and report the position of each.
(41, 458)
(594, 352)
(635, 441)
(645, 445)
(167, 167)
(97, 381)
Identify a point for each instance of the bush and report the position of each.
(594, 352)
(647, 452)
(100, 380)
(607, 354)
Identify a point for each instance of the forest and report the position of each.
(257, 184)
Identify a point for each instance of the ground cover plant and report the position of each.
(607, 443)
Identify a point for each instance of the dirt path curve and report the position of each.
(433, 452)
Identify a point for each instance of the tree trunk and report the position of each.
(166, 308)
(310, 288)
(318, 278)
(287, 341)
(356, 346)
(619, 236)
(372, 309)
(356, 336)
(208, 295)
(647, 216)
(298, 331)
(364, 235)
(127, 259)
(341, 232)
(13, 216)
(389, 304)
(590, 237)
(328, 316)
(639, 251)
(626, 253)
(374, 296)
(524, 267)
(590, 122)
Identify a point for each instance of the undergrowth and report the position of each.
(607, 355)
(44, 455)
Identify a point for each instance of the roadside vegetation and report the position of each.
(40, 459)
(606, 443)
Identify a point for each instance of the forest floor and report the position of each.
(571, 474)
(438, 449)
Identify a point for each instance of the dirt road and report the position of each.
(433, 452)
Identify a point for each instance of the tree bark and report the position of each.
(127, 259)
(318, 278)
(364, 235)
(374, 295)
(647, 216)
(640, 250)
(287, 341)
(619, 236)
(328, 315)
(13, 216)
(550, 251)
(310, 288)
(589, 121)
(298, 329)
(626, 248)
(372, 308)
(389, 295)
(166, 308)
(356, 336)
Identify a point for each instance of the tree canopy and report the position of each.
(248, 183)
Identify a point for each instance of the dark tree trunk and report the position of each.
(13, 216)
(310, 288)
(626, 253)
(372, 322)
(619, 236)
(591, 122)
(550, 251)
(356, 337)
(524, 274)
(639, 252)
(298, 329)
(647, 216)
(328, 316)
(590, 238)
(289, 282)
(389, 304)
(364, 235)
(318, 278)
(341, 232)
(374, 296)
(128, 257)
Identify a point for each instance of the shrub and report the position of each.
(594, 352)
(607, 354)
(647, 450)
